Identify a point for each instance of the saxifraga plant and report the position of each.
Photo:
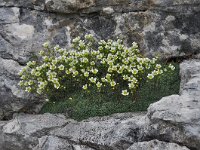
(107, 66)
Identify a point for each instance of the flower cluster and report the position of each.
(90, 64)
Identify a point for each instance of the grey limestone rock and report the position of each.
(176, 118)
(115, 132)
(68, 6)
(188, 69)
(12, 98)
(55, 132)
(24, 130)
(156, 145)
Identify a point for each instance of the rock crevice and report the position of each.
(171, 123)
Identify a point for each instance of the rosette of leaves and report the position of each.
(107, 66)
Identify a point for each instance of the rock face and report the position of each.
(176, 118)
(156, 145)
(164, 28)
(173, 123)
(12, 99)
(188, 70)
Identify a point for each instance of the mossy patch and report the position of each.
(80, 105)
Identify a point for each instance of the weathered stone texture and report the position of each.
(156, 145)
(176, 118)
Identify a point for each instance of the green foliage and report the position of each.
(80, 105)
(108, 67)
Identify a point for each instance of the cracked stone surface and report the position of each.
(156, 145)
(173, 123)
(176, 118)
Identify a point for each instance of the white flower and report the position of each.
(93, 80)
(103, 79)
(134, 45)
(33, 71)
(100, 48)
(67, 71)
(140, 67)
(110, 62)
(153, 61)
(84, 60)
(25, 83)
(85, 87)
(39, 91)
(22, 71)
(37, 74)
(107, 47)
(114, 68)
(125, 61)
(61, 67)
(92, 63)
(45, 58)
(100, 56)
(89, 36)
(125, 77)
(61, 50)
(134, 71)
(39, 68)
(75, 73)
(28, 89)
(42, 85)
(171, 67)
(113, 49)
(21, 83)
(131, 85)
(57, 85)
(55, 61)
(99, 84)
(29, 63)
(120, 70)
(158, 66)
(94, 71)
(30, 82)
(103, 61)
(155, 72)
(132, 79)
(125, 92)
(46, 44)
(110, 70)
(81, 44)
(150, 76)
(41, 53)
(86, 74)
(23, 77)
(47, 100)
(57, 47)
(76, 39)
(40, 79)
(52, 67)
(112, 83)
(108, 76)
(160, 71)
